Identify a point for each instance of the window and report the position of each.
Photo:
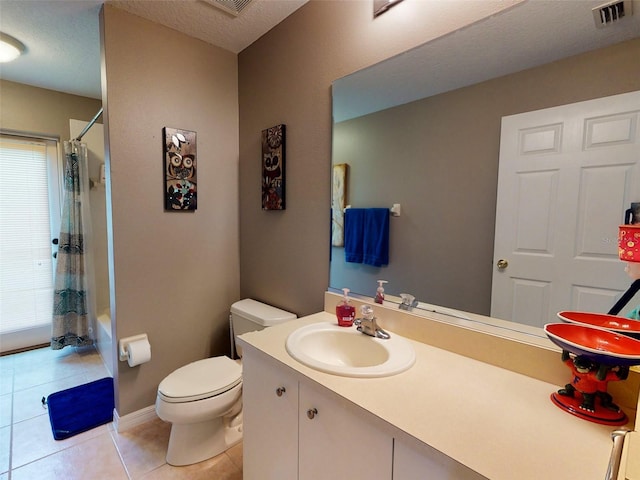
(29, 220)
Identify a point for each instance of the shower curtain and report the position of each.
(73, 308)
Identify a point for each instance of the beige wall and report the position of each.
(176, 273)
(285, 77)
(438, 157)
(44, 112)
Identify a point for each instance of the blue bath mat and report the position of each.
(81, 408)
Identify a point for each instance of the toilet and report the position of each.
(203, 400)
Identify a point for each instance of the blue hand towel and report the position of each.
(354, 234)
(376, 237)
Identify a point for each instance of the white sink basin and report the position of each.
(345, 351)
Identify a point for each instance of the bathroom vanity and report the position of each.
(447, 417)
(296, 428)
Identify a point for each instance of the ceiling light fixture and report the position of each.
(10, 48)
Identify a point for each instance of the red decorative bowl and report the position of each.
(601, 346)
(623, 325)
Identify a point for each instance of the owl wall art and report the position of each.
(180, 169)
(273, 167)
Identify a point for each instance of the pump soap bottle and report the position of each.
(345, 311)
(380, 292)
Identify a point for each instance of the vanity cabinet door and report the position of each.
(270, 419)
(413, 460)
(338, 440)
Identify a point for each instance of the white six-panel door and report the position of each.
(566, 176)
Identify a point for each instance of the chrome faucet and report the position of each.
(408, 302)
(368, 324)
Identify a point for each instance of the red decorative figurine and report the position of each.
(586, 396)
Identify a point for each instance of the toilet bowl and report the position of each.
(203, 400)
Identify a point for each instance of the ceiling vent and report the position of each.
(611, 12)
(234, 7)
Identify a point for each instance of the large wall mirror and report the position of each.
(422, 130)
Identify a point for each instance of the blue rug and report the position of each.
(81, 408)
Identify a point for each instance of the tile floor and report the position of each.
(27, 447)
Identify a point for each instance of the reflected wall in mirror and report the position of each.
(438, 156)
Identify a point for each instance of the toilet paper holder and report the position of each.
(123, 345)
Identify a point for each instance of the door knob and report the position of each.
(280, 391)
(502, 264)
(311, 413)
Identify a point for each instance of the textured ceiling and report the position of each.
(63, 40)
(202, 20)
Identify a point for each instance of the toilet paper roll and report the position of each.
(138, 352)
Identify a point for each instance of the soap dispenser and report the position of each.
(345, 311)
(380, 292)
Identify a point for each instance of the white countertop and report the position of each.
(499, 423)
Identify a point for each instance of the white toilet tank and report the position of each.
(249, 315)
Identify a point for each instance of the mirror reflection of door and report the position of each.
(29, 222)
(566, 176)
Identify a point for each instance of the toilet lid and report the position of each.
(202, 379)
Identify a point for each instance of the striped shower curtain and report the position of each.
(72, 300)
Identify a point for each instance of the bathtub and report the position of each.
(104, 341)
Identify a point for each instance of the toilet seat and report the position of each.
(199, 380)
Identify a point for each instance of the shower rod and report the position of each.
(89, 125)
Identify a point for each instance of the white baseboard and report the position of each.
(127, 422)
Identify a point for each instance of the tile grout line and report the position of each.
(51, 454)
(115, 444)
